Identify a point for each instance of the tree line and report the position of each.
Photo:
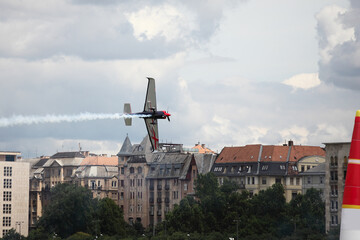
(215, 212)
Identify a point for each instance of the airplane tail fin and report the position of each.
(350, 215)
(127, 110)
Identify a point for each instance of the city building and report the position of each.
(337, 155)
(151, 183)
(314, 178)
(257, 167)
(100, 174)
(14, 186)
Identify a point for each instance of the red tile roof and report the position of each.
(100, 160)
(270, 153)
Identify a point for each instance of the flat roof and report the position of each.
(9, 153)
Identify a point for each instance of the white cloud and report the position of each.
(296, 133)
(170, 22)
(304, 81)
(333, 31)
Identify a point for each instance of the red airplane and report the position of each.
(150, 114)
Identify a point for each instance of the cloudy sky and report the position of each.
(230, 72)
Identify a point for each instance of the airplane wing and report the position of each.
(152, 128)
(150, 100)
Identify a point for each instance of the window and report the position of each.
(7, 171)
(253, 180)
(334, 190)
(131, 170)
(333, 176)
(122, 195)
(334, 220)
(278, 180)
(6, 221)
(263, 180)
(10, 158)
(113, 184)
(185, 187)
(302, 168)
(93, 184)
(122, 183)
(282, 167)
(309, 180)
(291, 181)
(297, 181)
(7, 196)
(7, 209)
(321, 179)
(265, 167)
(139, 169)
(7, 183)
(248, 180)
(122, 170)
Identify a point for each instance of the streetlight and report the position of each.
(237, 228)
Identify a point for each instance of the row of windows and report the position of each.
(6, 196)
(7, 171)
(7, 183)
(131, 169)
(6, 208)
(6, 221)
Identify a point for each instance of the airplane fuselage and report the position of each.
(153, 114)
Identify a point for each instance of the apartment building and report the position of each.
(14, 187)
(314, 178)
(150, 184)
(100, 174)
(257, 167)
(337, 155)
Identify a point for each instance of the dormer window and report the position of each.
(282, 167)
(265, 167)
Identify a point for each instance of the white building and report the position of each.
(14, 190)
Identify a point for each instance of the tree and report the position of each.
(70, 210)
(308, 215)
(110, 218)
(186, 217)
(13, 235)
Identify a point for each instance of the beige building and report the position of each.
(337, 155)
(151, 183)
(14, 187)
(98, 173)
(257, 167)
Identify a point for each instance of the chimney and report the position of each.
(203, 145)
(291, 143)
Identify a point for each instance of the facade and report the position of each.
(337, 155)
(14, 187)
(314, 178)
(257, 167)
(98, 173)
(150, 184)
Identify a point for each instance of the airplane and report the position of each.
(149, 114)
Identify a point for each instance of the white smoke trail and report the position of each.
(51, 118)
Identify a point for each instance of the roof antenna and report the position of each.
(79, 147)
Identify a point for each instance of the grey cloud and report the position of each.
(343, 70)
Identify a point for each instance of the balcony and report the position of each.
(159, 212)
(159, 200)
(159, 187)
(167, 200)
(151, 200)
(167, 187)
